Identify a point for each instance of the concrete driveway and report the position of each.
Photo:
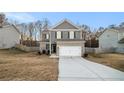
(77, 68)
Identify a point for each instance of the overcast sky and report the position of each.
(92, 19)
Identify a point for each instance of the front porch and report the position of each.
(53, 55)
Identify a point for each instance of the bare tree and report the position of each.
(85, 27)
(2, 19)
(42, 25)
(31, 30)
(86, 31)
(14, 22)
(112, 26)
(46, 24)
(101, 29)
(23, 29)
(39, 27)
(84, 35)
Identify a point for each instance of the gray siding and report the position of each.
(53, 37)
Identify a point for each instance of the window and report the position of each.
(44, 36)
(47, 46)
(68, 34)
(77, 35)
(55, 34)
(65, 35)
(74, 34)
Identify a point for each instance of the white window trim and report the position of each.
(58, 35)
(47, 36)
(71, 34)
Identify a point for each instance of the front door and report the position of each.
(53, 48)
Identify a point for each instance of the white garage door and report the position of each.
(69, 51)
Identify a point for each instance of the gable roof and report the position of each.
(107, 30)
(16, 29)
(13, 26)
(65, 24)
(120, 29)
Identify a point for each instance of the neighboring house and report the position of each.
(63, 39)
(112, 40)
(9, 36)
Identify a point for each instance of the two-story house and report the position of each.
(63, 39)
(112, 40)
(9, 36)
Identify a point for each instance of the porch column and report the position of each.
(81, 34)
(50, 41)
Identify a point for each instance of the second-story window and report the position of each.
(74, 35)
(68, 35)
(65, 35)
(55, 34)
(44, 36)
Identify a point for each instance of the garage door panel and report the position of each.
(70, 51)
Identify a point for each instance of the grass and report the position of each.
(113, 60)
(18, 65)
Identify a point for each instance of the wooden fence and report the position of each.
(29, 43)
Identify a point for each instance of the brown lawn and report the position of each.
(18, 65)
(112, 59)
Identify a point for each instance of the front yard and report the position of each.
(112, 59)
(18, 65)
